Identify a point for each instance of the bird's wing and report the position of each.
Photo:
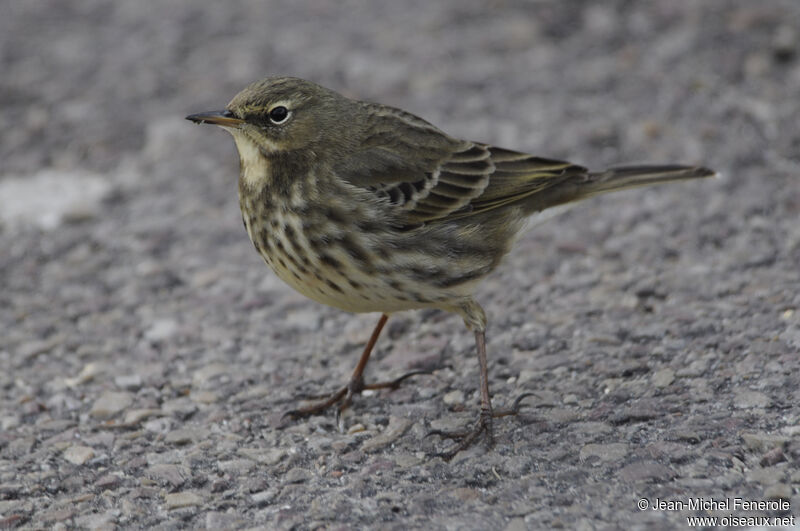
(426, 175)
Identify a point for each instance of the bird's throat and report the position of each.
(253, 162)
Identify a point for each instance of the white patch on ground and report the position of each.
(49, 198)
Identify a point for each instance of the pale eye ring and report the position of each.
(279, 114)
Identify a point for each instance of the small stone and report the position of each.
(168, 474)
(751, 399)
(663, 377)
(763, 442)
(78, 455)
(454, 397)
(268, 456)
(177, 500)
(264, 497)
(396, 428)
(356, 428)
(695, 369)
(219, 520)
(764, 476)
(516, 524)
(9, 423)
(297, 475)
(134, 416)
(89, 371)
(407, 460)
(130, 382)
(161, 330)
(571, 400)
(185, 436)
(646, 471)
(773, 457)
(205, 397)
(110, 403)
(160, 425)
(109, 482)
(97, 520)
(236, 466)
(181, 408)
(778, 491)
(605, 452)
(202, 376)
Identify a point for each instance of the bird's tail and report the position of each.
(625, 177)
(582, 185)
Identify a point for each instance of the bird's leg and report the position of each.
(483, 426)
(344, 396)
(475, 319)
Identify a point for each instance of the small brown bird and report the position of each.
(368, 208)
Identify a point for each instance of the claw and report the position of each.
(483, 426)
(466, 438)
(515, 407)
(394, 384)
(344, 396)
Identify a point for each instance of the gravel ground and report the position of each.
(147, 354)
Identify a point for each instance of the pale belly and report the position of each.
(340, 270)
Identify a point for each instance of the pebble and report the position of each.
(605, 452)
(166, 473)
(237, 466)
(268, 456)
(778, 491)
(78, 455)
(751, 399)
(453, 397)
(135, 416)
(647, 471)
(297, 475)
(396, 428)
(129, 382)
(87, 374)
(202, 376)
(663, 377)
(186, 435)
(178, 500)
(110, 403)
(763, 442)
(161, 330)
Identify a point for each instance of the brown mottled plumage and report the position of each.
(368, 208)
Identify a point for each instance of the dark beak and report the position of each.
(223, 118)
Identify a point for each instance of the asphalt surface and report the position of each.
(147, 354)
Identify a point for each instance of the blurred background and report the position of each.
(124, 268)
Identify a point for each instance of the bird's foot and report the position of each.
(482, 427)
(343, 397)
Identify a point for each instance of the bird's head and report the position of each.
(281, 114)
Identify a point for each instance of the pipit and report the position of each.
(368, 208)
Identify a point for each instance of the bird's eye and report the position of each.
(279, 114)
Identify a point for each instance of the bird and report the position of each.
(368, 208)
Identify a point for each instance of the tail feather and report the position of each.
(583, 186)
(623, 177)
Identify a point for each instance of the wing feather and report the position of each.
(426, 175)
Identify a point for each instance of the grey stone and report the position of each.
(646, 471)
(178, 500)
(751, 399)
(605, 452)
(78, 455)
(396, 428)
(110, 404)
